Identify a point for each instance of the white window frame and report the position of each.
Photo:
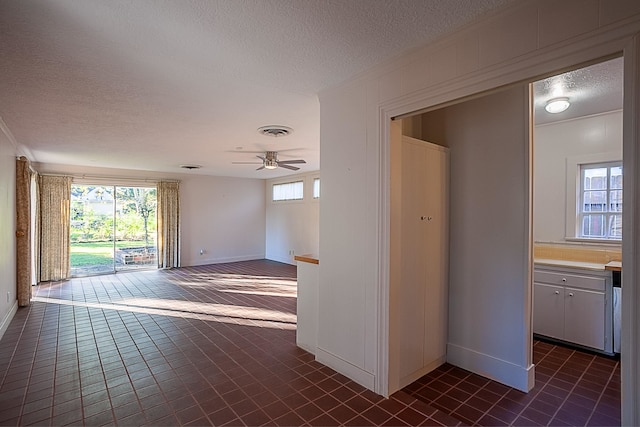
(299, 182)
(316, 195)
(573, 194)
(608, 214)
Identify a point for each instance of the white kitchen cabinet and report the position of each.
(584, 317)
(548, 310)
(419, 260)
(574, 306)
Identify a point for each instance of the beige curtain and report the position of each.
(35, 228)
(55, 199)
(168, 225)
(23, 234)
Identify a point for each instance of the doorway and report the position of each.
(112, 228)
(578, 207)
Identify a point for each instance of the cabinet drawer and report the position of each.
(574, 280)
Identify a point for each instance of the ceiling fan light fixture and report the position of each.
(557, 105)
(270, 164)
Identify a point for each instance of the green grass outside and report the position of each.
(87, 254)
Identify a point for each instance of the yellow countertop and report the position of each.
(307, 258)
(572, 264)
(613, 266)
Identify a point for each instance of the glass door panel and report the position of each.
(91, 231)
(135, 216)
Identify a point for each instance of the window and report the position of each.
(600, 212)
(288, 191)
(316, 188)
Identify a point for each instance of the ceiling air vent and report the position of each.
(190, 167)
(275, 131)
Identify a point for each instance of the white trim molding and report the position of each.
(518, 377)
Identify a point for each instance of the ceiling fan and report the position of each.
(270, 161)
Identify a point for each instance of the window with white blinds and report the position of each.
(288, 191)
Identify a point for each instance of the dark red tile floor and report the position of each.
(215, 345)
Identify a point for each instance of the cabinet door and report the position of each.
(584, 317)
(548, 310)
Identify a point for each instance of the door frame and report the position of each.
(530, 68)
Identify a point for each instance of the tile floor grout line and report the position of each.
(604, 389)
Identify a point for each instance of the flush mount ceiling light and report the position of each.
(557, 105)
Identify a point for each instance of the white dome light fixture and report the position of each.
(557, 105)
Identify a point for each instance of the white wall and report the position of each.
(8, 299)
(519, 43)
(292, 227)
(225, 217)
(593, 138)
(489, 223)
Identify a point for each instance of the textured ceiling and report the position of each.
(591, 90)
(152, 84)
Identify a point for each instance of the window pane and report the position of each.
(615, 201)
(595, 201)
(615, 227)
(593, 226)
(316, 188)
(288, 191)
(595, 179)
(616, 178)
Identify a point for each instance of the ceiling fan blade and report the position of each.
(261, 158)
(260, 168)
(293, 168)
(245, 163)
(290, 161)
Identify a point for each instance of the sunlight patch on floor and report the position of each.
(237, 315)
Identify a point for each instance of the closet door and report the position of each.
(424, 266)
(436, 235)
(413, 274)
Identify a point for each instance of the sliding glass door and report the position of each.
(113, 228)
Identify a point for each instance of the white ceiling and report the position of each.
(591, 90)
(153, 84)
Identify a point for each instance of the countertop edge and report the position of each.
(610, 266)
(307, 258)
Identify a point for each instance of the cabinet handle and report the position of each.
(570, 294)
(564, 279)
(557, 292)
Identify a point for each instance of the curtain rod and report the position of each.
(112, 178)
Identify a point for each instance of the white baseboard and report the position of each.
(207, 261)
(507, 373)
(8, 318)
(306, 347)
(349, 370)
(286, 259)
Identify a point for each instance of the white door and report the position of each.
(422, 291)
